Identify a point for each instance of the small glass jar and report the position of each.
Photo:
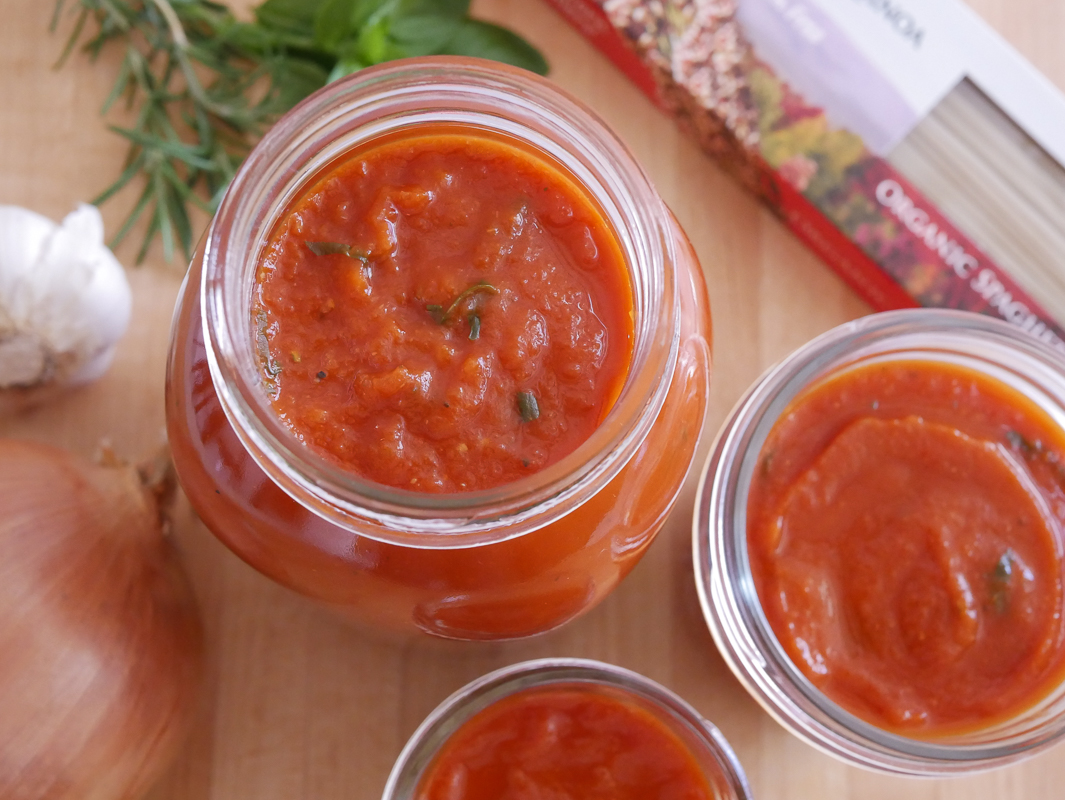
(492, 564)
(723, 573)
(721, 771)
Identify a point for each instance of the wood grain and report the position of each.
(299, 705)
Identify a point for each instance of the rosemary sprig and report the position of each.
(206, 86)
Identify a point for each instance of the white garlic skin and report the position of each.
(64, 299)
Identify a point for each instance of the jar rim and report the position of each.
(356, 110)
(723, 576)
(417, 754)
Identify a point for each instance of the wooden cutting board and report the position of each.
(299, 705)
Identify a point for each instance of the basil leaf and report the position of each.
(456, 9)
(293, 16)
(345, 66)
(367, 11)
(374, 45)
(436, 311)
(485, 40)
(1000, 580)
(424, 34)
(332, 24)
(295, 78)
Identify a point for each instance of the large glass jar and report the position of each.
(499, 563)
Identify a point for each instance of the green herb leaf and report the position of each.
(485, 40)
(337, 248)
(345, 66)
(436, 312)
(424, 34)
(1024, 445)
(475, 325)
(373, 45)
(442, 316)
(289, 15)
(333, 23)
(1018, 442)
(293, 79)
(368, 11)
(449, 8)
(999, 581)
(528, 407)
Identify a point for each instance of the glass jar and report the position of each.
(727, 591)
(501, 563)
(720, 769)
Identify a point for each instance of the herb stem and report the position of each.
(338, 248)
(443, 316)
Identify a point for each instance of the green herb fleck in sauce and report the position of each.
(999, 581)
(527, 406)
(442, 316)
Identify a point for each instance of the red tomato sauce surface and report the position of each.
(564, 743)
(443, 311)
(904, 531)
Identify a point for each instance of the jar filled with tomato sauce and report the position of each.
(879, 542)
(566, 727)
(443, 358)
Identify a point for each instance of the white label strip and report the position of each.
(875, 68)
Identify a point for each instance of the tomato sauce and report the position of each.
(516, 587)
(904, 531)
(564, 743)
(444, 312)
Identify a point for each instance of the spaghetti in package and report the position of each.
(902, 140)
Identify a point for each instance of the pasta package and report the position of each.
(903, 141)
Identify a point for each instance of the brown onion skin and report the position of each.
(101, 646)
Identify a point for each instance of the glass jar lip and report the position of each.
(481, 693)
(729, 601)
(471, 518)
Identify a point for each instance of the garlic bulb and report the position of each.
(101, 649)
(64, 300)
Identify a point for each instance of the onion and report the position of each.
(100, 640)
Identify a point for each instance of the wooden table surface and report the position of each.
(299, 705)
